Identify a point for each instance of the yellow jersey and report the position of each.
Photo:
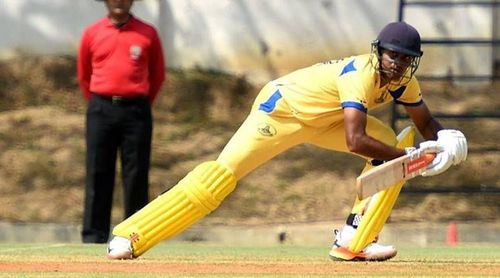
(317, 94)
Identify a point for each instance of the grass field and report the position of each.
(204, 260)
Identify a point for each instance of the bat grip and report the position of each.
(429, 157)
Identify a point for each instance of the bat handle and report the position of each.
(429, 157)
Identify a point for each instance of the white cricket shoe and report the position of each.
(372, 252)
(120, 248)
(379, 252)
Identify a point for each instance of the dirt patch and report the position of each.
(370, 268)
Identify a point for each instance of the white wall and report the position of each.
(52, 26)
(258, 38)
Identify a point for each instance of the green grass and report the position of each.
(177, 259)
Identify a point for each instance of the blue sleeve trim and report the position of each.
(348, 68)
(409, 104)
(270, 104)
(356, 105)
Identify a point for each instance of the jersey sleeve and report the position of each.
(351, 87)
(84, 65)
(156, 67)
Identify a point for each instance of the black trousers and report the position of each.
(112, 126)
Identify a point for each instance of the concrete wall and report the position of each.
(258, 38)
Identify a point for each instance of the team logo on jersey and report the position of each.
(135, 52)
(266, 129)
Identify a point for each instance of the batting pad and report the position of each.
(379, 206)
(195, 196)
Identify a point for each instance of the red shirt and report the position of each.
(126, 61)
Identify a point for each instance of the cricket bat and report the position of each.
(388, 174)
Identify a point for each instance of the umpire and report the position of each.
(120, 69)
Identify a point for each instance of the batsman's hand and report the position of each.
(455, 143)
(424, 147)
(454, 152)
(441, 162)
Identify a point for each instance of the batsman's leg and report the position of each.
(357, 239)
(195, 196)
(260, 138)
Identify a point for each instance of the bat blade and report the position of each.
(390, 173)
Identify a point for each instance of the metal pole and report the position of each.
(394, 110)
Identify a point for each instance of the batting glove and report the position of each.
(424, 147)
(455, 143)
(439, 164)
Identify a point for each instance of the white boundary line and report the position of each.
(33, 247)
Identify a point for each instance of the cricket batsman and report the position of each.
(326, 105)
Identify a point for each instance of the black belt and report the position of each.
(121, 99)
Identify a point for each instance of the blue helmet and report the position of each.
(400, 37)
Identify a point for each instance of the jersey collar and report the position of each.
(110, 23)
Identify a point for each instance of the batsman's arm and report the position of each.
(361, 143)
(453, 142)
(426, 124)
